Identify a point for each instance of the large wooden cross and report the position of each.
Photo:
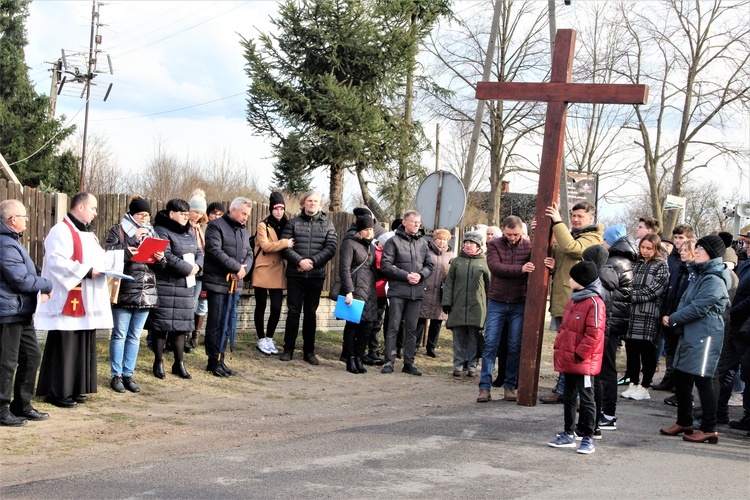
(558, 93)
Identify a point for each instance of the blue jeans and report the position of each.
(125, 340)
(498, 313)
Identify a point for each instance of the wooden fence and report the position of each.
(46, 210)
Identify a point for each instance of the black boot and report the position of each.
(667, 383)
(178, 368)
(158, 343)
(351, 365)
(159, 369)
(359, 365)
(215, 368)
(224, 366)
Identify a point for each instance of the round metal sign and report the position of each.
(441, 200)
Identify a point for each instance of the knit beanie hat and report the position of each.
(275, 199)
(584, 273)
(364, 222)
(596, 254)
(475, 237)
(198, 201)
(214, 206)
(360, 211)
(395, 224)
(385, 237)
(713, 245)
(730, 256)
(614, 233)
(138, 205)
(726, 238)
(441, 233)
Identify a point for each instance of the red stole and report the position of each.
(74, 302)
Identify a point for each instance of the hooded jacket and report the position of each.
(567, 252)
(403, 254)
(19, 282)
(465, 290)
(617, 278)
(579, 344)
(700, 314)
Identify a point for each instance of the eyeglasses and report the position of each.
(22, 216)
(699, 248)
(184, 214)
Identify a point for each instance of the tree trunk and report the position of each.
(369, 201)
(336, 188)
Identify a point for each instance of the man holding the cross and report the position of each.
(74, 262)
(566, 252)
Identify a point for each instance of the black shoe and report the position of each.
(722, 419)
(359, 365)
(116, 384)
(11, 420)
(130, 385)
(217, 370)
(33, 414)
(286, 356)
(351, 365)
(623, 381)
(80, 398)
(387, 368)
(226, 368)
(312, 359)
(159, 369)
(742, 424)
(672, 400)
(61, 402)
(411, 370)
(373, 359)
(178, 368)
(431, 354)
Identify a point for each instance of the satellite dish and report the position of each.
(441, 200)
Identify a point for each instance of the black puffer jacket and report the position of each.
(356, 251)
(403, 254)
(314, 238)
(227, 249)
(141, 292)
(617, 278)
(175, 311)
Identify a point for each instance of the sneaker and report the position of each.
(631, 388)
(587, 446)
(262, 346)
(411, 370)
(742, 424)
(116, 384)
(387, 368)
(563, 440)
(735, 399)
(623, 381)
(509, 394)
(671, 400)
(271, 346)
(640, 393)
(484, 396)
(606, 424)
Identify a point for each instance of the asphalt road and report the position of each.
(492, 450)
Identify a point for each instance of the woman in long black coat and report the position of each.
(357, 276)
(174, 317)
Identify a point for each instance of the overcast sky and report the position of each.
(179, 78)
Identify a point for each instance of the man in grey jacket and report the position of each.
(406, 263)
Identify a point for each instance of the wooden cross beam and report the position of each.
(558, 93)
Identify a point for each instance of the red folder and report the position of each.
(148, 248)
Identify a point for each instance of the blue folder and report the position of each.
(351, 312)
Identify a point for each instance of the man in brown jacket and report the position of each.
(508, 259)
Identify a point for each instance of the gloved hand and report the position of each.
(447, 309)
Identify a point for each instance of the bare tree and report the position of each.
(102, 170)
(165, 176)
(695, 56)
(521, 49)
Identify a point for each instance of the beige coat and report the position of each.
(568, 251)
(269, 264)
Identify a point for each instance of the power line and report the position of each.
(170, 110)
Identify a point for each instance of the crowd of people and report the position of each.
(685, 297)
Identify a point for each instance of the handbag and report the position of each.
(333, 293)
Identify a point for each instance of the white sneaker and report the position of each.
(640, 393)
(271, 346)
(629, 390)
(263, 346)
(735, 399)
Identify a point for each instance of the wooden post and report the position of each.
(558, 93)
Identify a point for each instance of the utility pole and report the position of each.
(89, 75)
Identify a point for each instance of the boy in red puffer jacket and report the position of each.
(579, 347)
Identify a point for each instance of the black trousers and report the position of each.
(729, 363)
(408, 311)
(575, 386)
(373, 343)
(261, 300)
(683, 383)
(19, 355)
(433, 333)
(303, 296)
(641, 354)
(356, 337)
(606, 382)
